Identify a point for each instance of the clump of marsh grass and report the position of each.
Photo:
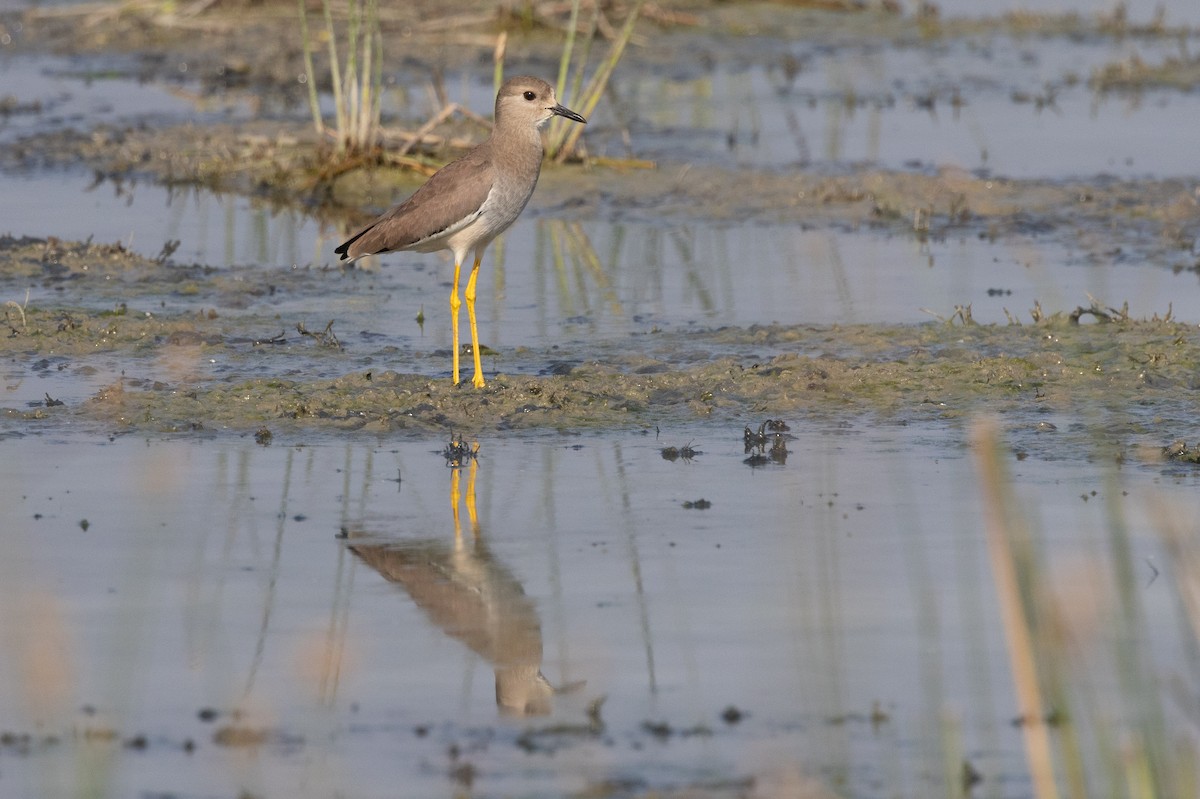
(357, 80)
(355, 73)
(1094, 709)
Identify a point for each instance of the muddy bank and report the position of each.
(1111, 377)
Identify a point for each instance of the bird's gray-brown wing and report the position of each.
(446, 202)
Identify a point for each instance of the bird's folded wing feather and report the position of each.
(447, 201)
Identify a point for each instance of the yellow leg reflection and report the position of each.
(455, 303)
(472, 470)
(456, 497)
(478, 379)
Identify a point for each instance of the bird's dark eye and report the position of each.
(530, 96)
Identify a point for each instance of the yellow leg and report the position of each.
(470, 295)
(455, 302)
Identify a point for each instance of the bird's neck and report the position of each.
(525, 137)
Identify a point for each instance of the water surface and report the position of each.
(840, 601)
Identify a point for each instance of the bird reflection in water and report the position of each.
(473, 598)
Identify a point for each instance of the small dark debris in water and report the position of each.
(1180, 451)
(698, 504)
(326, 338)
(208, 714)
(484, 350)
(278, 338)
(772, 432)
(879, 716)
(138, 742)
(1021, 454)
(686, 453)
(970, 776)
(755, 439)
(189, 746)
(16, 740)
(999, 292)
(22, 743)
(299, 517)
(51, 402)
(84, 524)
(263, 437)
(593, 713)
(731, 715)
(458, 452)
(342, 533)
(421, 730)
(659, 729)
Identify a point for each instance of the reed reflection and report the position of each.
(472, 597)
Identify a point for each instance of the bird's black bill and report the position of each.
(563, 111)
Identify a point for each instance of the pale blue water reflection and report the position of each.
(1017, 107)
(553, 280)
(842, 601)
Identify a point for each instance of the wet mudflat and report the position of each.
(715, 526)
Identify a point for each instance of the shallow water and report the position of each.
(549, 280)
(1177, 12)
(327, 600)
(1009, 106)
(850, 580)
